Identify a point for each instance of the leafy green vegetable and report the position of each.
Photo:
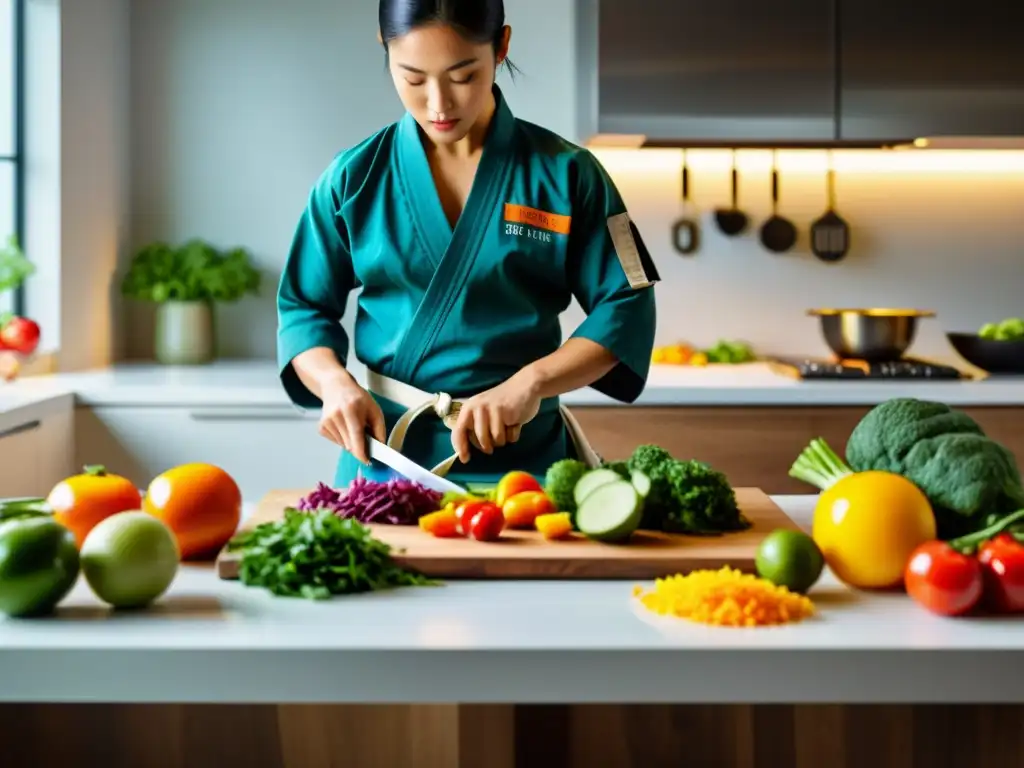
(620, 468)
(889, 431)
(819, 465)
(195, 271)
(685, 496)
(315, 555)
(969, 479)
(704, 501)
(654, 461)
(560, 482)
(14, 267)
(726, 351)
(28, 507)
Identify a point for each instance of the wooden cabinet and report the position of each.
(35, 453)
(754, 446)
(262, 447)
(267, 447)
(18, 452)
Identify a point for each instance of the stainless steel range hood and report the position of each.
(798, 73)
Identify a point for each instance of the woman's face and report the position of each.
(444, 80)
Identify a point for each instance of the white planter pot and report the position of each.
(184, 333)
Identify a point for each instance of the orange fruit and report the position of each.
(867, 526)
(513, 483)
(200, 503)
(82, 501)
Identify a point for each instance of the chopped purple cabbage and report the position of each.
(396, 502)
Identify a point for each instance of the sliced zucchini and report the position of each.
(611, 512)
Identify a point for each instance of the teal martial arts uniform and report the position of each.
(460, 310)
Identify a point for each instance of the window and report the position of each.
(12, 78)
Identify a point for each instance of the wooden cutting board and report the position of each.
(525, 555)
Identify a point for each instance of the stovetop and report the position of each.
(907, 368)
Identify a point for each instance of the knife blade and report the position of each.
(408, 468)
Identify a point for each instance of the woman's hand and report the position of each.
(348, 412)
(495, 418)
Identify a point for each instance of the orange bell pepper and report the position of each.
(522, 509)
(444, 523)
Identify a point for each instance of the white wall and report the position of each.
(77, 181)
(95, 176)
(237, 105)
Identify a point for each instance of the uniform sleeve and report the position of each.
(314, 288)
(612, 277)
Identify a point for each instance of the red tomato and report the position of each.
(1002, 564)
(464, 512)
(20, 334)
(487, 522)
(513, 483)
(943, 580)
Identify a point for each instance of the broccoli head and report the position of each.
(649, 459)
(621, 468)
(685, 496)
(560, 480)
(967, 474)
(654, 461)
(704, 501)
(884, 437)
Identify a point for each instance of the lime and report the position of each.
(39, 565)
(130, 559)
(789, 559)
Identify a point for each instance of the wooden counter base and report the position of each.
(450, 736)
(755, 446)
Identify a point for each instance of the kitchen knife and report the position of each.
(409, 469)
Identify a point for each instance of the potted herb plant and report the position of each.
(185, 282)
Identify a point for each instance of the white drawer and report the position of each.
(263, 447)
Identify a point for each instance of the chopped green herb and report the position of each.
(317, 554)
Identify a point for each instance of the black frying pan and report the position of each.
(732, 221)
(778, 234)
(685, 232)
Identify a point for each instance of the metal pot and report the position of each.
(871, 335)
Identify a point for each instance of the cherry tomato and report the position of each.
(465, 511)
(20, 334)
(513, 483)
(487, 522)
(943, 580)
(1002, 565)
(521, 510)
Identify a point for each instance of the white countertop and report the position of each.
(256, 383)
(491, 641)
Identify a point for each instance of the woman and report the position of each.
(468, 231)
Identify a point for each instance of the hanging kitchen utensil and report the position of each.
(778, 234)
(685, 232)
(830, 234)
(732, 221)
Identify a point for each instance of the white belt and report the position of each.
(446, 409)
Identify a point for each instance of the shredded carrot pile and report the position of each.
(726, 598)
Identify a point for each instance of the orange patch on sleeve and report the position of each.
(551, 222)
